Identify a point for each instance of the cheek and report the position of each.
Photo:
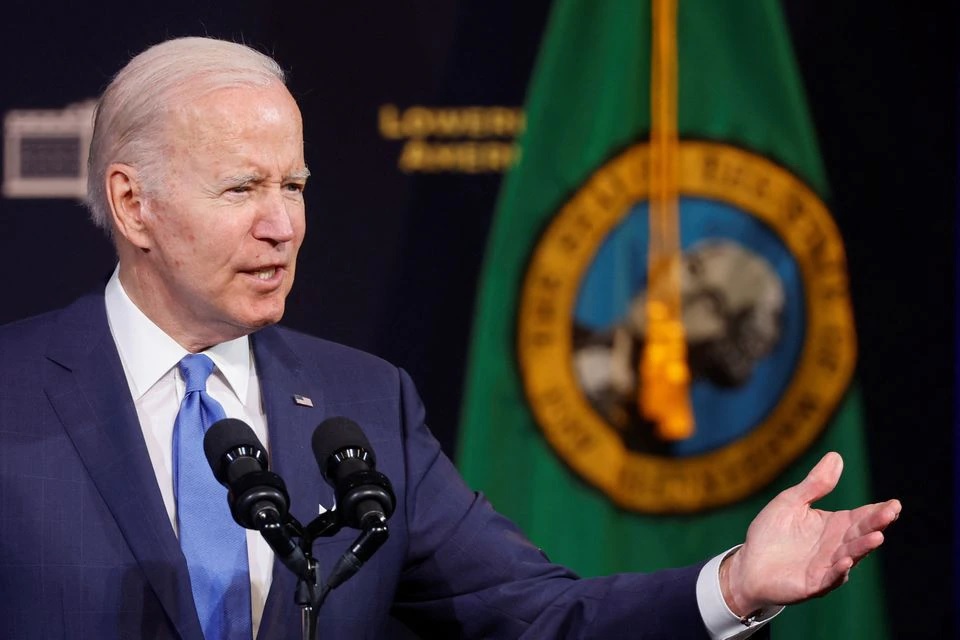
(298, 218)
(298, 242)
(179, 233)
(299, 223)
(196, 250)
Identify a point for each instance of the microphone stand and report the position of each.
(310, 592)
(307, 593)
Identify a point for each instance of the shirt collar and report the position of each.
(147, 353)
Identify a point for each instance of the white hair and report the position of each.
(130, 118)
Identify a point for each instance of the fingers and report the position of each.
(846, 557)
(836, 575)
(855, 550)
(872, 517)
(893, 508)
(821, 480)
(864, 535)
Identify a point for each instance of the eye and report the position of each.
(295, 187)
(243, 188)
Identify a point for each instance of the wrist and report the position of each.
(732, 588)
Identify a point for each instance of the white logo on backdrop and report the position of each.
(45, 151)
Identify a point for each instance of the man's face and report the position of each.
(227, 223)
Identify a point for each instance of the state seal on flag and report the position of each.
(768, 326)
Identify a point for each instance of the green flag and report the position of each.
(554, 430)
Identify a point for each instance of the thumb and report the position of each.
(821, 480)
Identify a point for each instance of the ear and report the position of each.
(127, 204)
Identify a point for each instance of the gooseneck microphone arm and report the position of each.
(370, 539)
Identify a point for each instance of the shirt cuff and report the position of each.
(721, 623)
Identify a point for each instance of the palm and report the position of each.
(794, 552)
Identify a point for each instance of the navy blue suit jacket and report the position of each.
(87, 549)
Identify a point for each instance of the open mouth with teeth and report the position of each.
(266, 274)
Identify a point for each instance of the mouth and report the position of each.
(265, 274)
(270, 276)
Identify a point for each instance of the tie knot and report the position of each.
(195, 369)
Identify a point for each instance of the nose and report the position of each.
(274, 222)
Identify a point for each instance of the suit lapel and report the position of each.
(85, 383)
(290, 426)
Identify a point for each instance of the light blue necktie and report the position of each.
(214, 545)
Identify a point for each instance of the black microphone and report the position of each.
(364, 496)
(257, 497)
(346, 459)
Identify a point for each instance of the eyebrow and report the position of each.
(246, 178)
(302, 174)
(240, 178)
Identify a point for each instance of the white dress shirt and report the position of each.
(149, 357)
(721, 623)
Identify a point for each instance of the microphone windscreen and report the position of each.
(334, 434)
(224, 435)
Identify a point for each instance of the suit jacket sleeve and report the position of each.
(470, 572)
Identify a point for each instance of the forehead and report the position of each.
(237, 114)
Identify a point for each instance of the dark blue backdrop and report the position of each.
(390, 259)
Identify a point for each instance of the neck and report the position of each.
(155, 305)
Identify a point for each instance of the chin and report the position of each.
(260, 322)
(256, 312)
(267, 318)
(249, 322)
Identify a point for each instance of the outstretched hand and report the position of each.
(794, 552)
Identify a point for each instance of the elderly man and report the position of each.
(112, 530)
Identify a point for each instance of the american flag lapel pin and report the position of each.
(303, 401)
